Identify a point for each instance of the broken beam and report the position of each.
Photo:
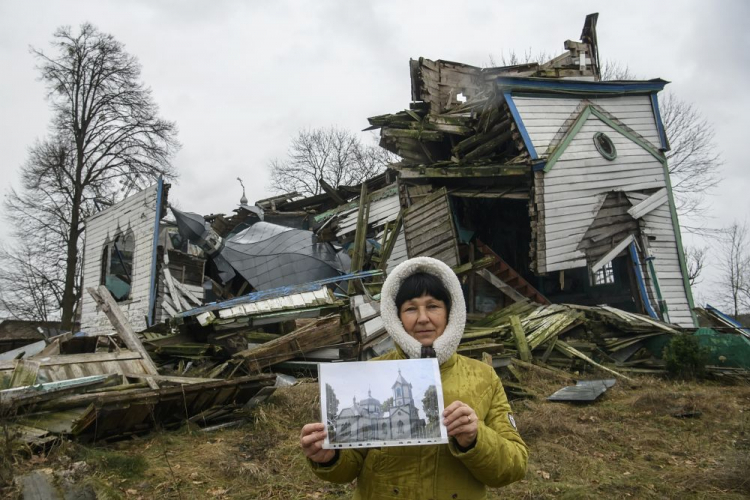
(523, 347)
(104, 300)
(458, 171)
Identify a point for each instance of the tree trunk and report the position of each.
(71, 262)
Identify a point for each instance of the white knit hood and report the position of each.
(446, 344)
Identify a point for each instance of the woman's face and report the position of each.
(424, 318)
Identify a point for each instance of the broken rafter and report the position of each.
(456, 171)
(104, 300)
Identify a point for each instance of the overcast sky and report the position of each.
(241, 77)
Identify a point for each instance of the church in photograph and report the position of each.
(369, 419)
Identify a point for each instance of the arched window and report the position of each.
(117, 265)
(385, 428)
(398, 392)
(400, 426)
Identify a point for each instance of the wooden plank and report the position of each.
(436, 246)
(366, 311)
(104, 299)
(612, 253)
(171, 311)
(322, 332)
(408, 172)
(171, 378)
(170, 285)
(372, 328)
(569, 350)
(501, 285)
(24, 373)
(520, 338)
(188, 294)
(649, 204)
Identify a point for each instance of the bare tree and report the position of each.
(512, 58)
(734, 265)
(106, 139)
(693, 159)
(695, 258)
(31, 285)
(335, 155)
(614, 70)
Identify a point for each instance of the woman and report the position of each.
(423, 309)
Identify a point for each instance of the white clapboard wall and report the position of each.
(382, 211)
(544, 116)
(573, 191)
(657, 225)
(136, 213)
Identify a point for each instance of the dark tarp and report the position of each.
(270, 256)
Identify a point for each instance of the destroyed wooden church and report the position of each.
(543, 187)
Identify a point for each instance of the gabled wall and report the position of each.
(136, 213)
(545, 116)
(570, 194)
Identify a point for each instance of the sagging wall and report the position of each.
(569, 196)
(137, 214)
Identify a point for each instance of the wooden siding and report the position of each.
(399, 253)
(137, 214)
(381, 211)
(662, 245)
(544, 116)
(70, 366)
(611, 225)
(573, 193)
(429, 229)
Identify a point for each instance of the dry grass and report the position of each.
(628, 444)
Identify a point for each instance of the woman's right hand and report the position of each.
(311, 441)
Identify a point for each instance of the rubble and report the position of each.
(568, 272)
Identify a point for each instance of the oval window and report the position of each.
(605, 146)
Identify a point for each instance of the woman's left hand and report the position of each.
(462, 423)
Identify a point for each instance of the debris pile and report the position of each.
(190, 318)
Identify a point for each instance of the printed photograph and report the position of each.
(383, 403)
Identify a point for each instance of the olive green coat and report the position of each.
(441, 471)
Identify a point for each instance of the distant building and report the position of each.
(368, 419)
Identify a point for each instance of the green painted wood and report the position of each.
(678, 238)
(578, 124)
(520, 337)
(463, 171)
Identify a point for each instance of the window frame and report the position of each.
(601, 136)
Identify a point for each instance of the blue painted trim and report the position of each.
(641, 282)
(728, 319)
(507, 83)
(521, 126)
(277, 292)
(539, 166)
(155, 246)
(659, 123)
